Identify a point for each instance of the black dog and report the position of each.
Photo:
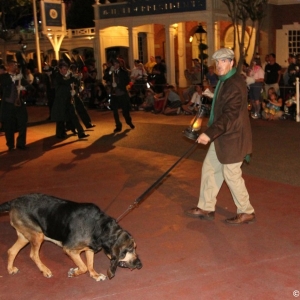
(76, 227)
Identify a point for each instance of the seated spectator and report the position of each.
(168, 103)
(193, 105)
(290, 108)
(148, 103)
(271, 106)
(101, 95)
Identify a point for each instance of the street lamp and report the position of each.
(198, 33)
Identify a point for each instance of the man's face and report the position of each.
(63, 70)
(116, 65)
(12, 68)
(223, 66)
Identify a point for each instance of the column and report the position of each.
(170, 54)
(210, 41)
(150, 43)
(133, 45)
(101, 49)
(97, 55)
(182, 82)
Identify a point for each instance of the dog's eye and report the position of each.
(122, 255)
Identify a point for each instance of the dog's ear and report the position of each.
(116, 254)
(113, 267)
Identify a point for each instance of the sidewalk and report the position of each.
(183, 258)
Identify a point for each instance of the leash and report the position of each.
(141, 197)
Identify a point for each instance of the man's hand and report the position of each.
(203, 139)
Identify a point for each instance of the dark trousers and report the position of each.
(16, 118)
(71, 117)
(82, 112)
(121, 102)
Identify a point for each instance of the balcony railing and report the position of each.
(133, 8)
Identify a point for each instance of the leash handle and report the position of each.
(141, 197)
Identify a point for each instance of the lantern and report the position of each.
(193, 131)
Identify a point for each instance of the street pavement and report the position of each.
(183, 258)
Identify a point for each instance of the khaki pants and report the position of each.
(213, 175)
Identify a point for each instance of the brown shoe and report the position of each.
(241, 219)
(197, 212)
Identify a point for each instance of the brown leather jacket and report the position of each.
(231, 129)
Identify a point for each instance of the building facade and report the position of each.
(140, 29)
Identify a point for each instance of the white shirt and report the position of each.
(196, 98)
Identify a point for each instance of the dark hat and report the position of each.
(63, 64)
(223, 53)
(195, 59)
(115, 61)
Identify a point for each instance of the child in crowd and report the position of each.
(148, 103)
(272, 107)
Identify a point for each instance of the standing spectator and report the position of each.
(193, 76)
(158, 75)
(120, 98)
(272, 74)
(150, 64)
(89, 79)
(139, 80)
(29, 76)
(63, 107)
(258, 74)
(13, 112)
(134, 73)
(265, 62)
(212, 77)
(229, 132)
(289, 75)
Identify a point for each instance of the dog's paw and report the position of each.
(72, 272)
(47, 273)
(13, 271)
(100, 277)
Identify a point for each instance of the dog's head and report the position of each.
(123, 254)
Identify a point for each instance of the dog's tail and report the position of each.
(5, 207)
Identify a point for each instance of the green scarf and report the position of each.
(221, 80)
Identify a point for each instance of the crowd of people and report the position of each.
(271, 88)
(68, 88)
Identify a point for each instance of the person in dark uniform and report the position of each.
(51, 94)
(63, 109)
(13, 112)
(79, 106)
(120, 98)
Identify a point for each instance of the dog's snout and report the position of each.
(138, 264)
